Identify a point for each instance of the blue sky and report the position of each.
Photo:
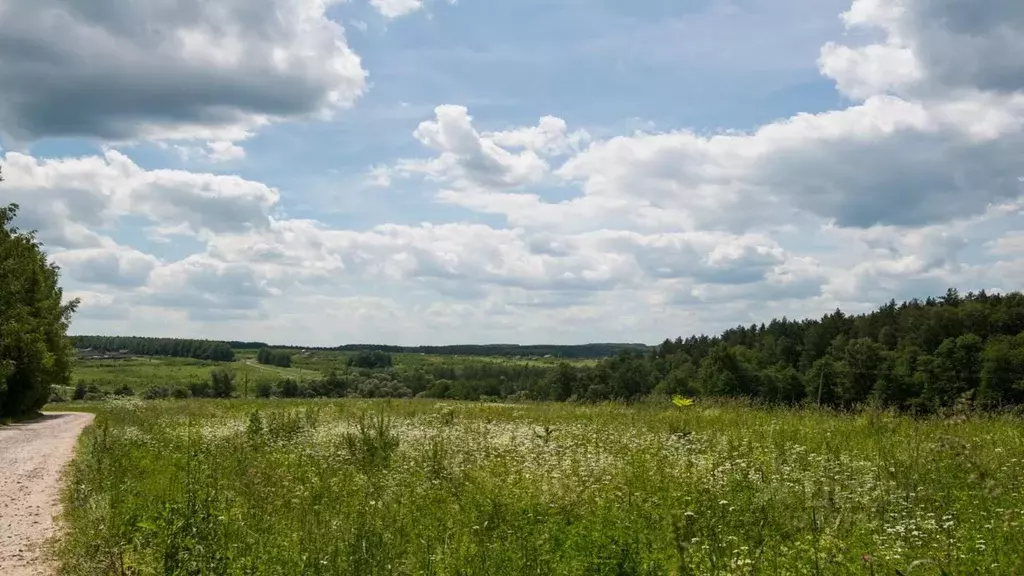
(561, 171)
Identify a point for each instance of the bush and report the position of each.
(264, 390)
(200, 389)
(370, 359)
(222, 383)
(156, 393)
(289, 388)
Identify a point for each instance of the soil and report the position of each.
(32, 456)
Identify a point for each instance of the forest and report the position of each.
(280, 358)
(173, 347)
(920, 356)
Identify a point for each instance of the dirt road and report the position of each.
(32, 456)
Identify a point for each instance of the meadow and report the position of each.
(367, 487)
(405, 374)
(142, 372)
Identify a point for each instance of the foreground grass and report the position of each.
(415, 487)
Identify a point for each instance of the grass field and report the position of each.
(143, 372)
(418, 487)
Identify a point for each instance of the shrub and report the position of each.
(222, 383)
(156, 393)
(264, 390)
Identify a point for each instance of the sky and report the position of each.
(320, 172)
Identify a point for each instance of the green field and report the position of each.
(143, 372)
(420, 487)
(407, 375)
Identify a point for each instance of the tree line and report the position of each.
(920, 355)
(173, 347)
(271, 357)
(579, 351)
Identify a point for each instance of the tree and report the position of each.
(561, 382)
(222, 383)
(280, 358)
(722, 373)
(1002, 371)
(370, 359)
(34, 349)
(863, 360)
(823, 379)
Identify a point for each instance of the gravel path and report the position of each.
(32, 456)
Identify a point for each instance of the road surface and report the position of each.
(32, 456)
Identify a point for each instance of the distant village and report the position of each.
(93, 354)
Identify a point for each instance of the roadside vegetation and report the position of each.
(34, 351)
(420, 487)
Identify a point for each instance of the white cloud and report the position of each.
(69, 199)
(169, 70)
(549, 137)
(223, 151)
(392, 9)
(467, 156)
(913, 187)
(1010, 245)
(396, 8)
(110, 265)
(932, 48)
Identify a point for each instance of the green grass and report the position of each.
(142, 373)
(418, 487)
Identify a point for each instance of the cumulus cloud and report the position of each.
(110, 265)
(914, 186)
(464, 155)
(931, 48)
(925, 143)
(169, 70)
(68, 200)
(549, 137)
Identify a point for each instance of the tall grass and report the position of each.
(414, 487)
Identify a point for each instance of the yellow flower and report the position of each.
(682, 402)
